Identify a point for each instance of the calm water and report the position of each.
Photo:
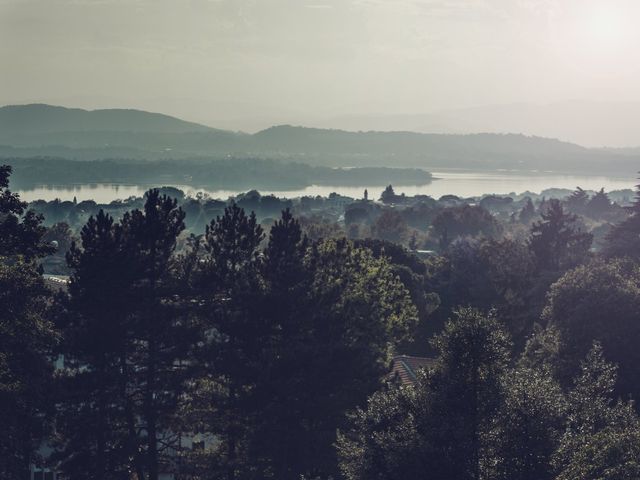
(463, 184)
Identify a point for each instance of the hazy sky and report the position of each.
(225, 62)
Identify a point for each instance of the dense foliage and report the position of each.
(248, 349)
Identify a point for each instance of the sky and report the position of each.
(246, 64)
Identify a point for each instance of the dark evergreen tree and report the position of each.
(276, 445)
(96, 422)
(27, 339)
(624, 238)
(527, 213)
(21, 230)
(473, 356)
(388, 195)
(125, 344)
(161, 335)
(577, 201)
(556, 241)
(599, 204)
(230, 291)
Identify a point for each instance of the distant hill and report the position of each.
(40, 118)
(42, 130)
(470, 151)
(588, 123)
(100, 133)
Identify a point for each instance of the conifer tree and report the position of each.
(27, 337)
(577, 201)
(556, 242)
(230, 290)
(125, 345)
(599, 204)
(624, 238)
(161, 336)
(96, 421)
(528, 212)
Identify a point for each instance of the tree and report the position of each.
(361, 312)
(624, 238)
(556, 242)
(599, 204)
(528, 212)
(527, 427)
(577, 201)
(473, 356)
(27, 339)
(466, 220)
(598, 302)
(125, 342)
(160, 334)
(388, 195)
(390, 226)
(299, 334)
(229, 292)
(441, 424)
(488, 274)
(275, 436)
(611, 454)
(95, 421)
(601, 438)
(21, 230)
(383, 440)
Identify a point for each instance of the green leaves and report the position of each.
(27, 340)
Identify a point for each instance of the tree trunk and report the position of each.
(150, 413)
(131, 425)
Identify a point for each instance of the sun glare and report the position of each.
(605, 26)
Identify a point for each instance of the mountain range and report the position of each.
(49, 131)
(588, 123)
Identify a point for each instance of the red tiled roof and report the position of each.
(405, 368)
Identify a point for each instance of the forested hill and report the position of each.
(40, 118)
(42, 130)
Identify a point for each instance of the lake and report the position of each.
(463, 184)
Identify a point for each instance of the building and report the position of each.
(405, 368)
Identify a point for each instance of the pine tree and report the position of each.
(96, 421)
(230, 291)
(160, 334)
(599, 204)
(275, 438)
(125, 343)
(388, 195)
(624, 238)
(556, 242)
(27, 337)
(577, 201)
(527, 213)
